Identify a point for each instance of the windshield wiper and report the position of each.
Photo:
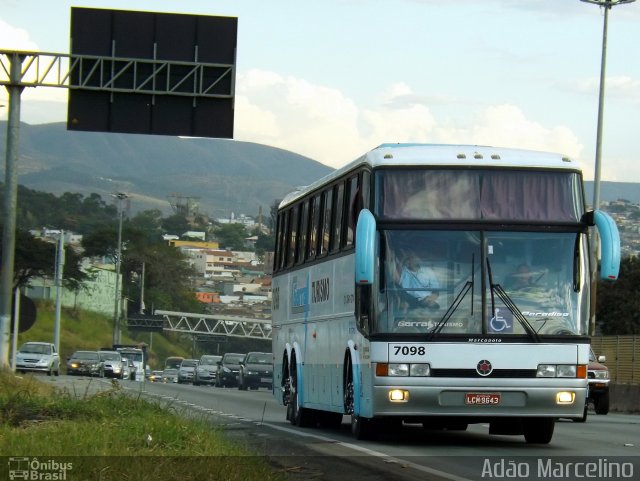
(450, 310)
(507, 301)
(468, 286)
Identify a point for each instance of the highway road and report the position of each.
(605, 447)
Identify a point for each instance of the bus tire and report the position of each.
(538, 430)
(362, 428)
(601, 403)
(298, 416)
(585, 413)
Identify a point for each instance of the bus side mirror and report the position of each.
(609, 245)
(365, 248)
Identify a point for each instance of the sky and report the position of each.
(333, 79)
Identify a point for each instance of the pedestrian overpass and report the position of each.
(202, 324)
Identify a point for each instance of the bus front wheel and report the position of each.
(538, 430)
(362, 428)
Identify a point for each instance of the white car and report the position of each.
(38, 356)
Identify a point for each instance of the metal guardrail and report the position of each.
(623, 357)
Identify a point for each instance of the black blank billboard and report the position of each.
(160, 37)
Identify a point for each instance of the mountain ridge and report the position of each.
(225, 176)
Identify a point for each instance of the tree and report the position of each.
(273, 214)
(265, 242)
(232, 236)
(618, 303)
(167, 274)
(176, 224)
(37, 258)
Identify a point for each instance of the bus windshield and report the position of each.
(482, 282)
(478, 194)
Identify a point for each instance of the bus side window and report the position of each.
(337, 218)
(293, 236)
(278, 251)
(314, 227)
(284, 240)
(302, 232)
(327, 202)
(354, 207)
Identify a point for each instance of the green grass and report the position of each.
(118, 436)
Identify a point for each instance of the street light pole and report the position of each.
(117, 332)
(607, 5)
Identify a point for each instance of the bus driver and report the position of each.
(420, 283)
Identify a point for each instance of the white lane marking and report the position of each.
(384, 457)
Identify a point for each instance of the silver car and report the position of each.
(187, 370)
(38, 356)
(112, 362)
(207, 370)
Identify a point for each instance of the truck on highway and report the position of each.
(138, 355)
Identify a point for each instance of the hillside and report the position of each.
(88, 330)
(225, 175)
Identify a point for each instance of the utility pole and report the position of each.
(607, 5)
(10, 206)
(117, 331)
(58, 281)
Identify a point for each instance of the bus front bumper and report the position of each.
(410, 401)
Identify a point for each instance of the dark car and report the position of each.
(256, 370)
(86, 363)
(228, 368)
(207, 370)
(598, 375)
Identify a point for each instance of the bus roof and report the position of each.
(443, 155)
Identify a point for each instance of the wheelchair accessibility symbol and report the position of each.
(502, 322)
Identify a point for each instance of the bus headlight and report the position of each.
(546, 370)
(420, 370)
(562, 370)
(398, 369)
(403, 369)
(398, 396)
(565, 397)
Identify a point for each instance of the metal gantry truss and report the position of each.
(215, 325)
(118, 74)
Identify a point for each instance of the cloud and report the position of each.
(622, 87)
(12, 38)
(324, 124)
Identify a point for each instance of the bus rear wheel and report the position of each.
(538, 430)
(297, 415)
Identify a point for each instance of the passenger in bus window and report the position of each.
(520, 279)
(420, 283)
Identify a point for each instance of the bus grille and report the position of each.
(497, 373)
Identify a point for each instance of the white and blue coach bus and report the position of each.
(504, 237)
